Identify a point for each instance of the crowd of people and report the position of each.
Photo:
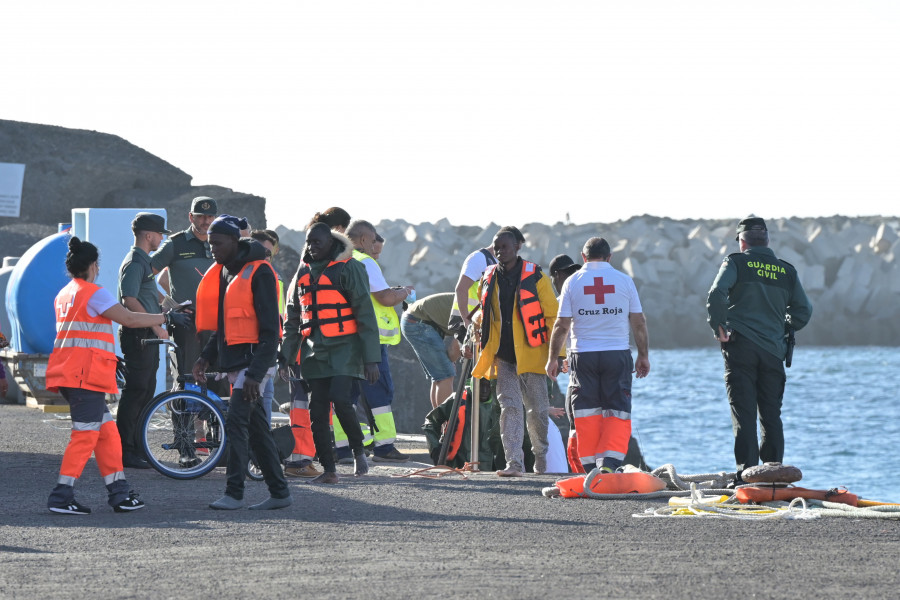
(328, 330)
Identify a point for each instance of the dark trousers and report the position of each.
(246, 427)
(323, 393)
(190, 344)
(754, 379)
(140, 385)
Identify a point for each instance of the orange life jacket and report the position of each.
(456, 440)
(611, 483)
(84, 353)
(527, 299)
(323, 303)
(241, 325)
(746, 494)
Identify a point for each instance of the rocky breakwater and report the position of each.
(848, 266)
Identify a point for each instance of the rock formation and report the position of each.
(848, 266)
(73, 168)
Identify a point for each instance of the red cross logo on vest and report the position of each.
(599, 290)
(62, 307)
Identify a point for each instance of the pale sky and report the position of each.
(479, 111)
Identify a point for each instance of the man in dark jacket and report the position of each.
(331, 326)
(238, 300)
(753, 299)
(461, 452)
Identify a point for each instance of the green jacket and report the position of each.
(757, 294)
(440, 415)
(322, 356)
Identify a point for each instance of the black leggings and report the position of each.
(324, 393)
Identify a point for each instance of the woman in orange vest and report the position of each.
(82, 367)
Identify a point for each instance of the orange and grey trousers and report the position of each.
(598, 400)
(93, 432)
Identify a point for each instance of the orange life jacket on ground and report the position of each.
(84, 353)
(746, 494)
(323, 303)
(611, 483)
(456, 440)
(241, 325)
(527, 298)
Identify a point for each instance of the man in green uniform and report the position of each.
(331, 325)
(753, 300)
(187, 256)
(137, 292)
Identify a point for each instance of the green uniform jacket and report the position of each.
(757, 294)
(321, 356)
(440, 415)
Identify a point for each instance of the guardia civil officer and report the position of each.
(137, 292)
(753, 299)
(187, 256)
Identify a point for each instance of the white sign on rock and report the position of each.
(11, 177)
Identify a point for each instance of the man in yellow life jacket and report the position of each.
(519, 310)
(331, 332)
(379, 395)
(237, 300)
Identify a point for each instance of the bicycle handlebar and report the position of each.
(159, 342)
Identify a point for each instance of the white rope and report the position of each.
(836, 509)
(700, 506)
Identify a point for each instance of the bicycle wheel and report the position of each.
(183, 434)
(253, 470)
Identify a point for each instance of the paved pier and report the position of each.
(387, 537)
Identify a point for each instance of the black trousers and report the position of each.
(755, 380)
(246, 427)
(323, 393)
(190, 344)
(140, 385)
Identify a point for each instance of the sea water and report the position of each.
(841, 415)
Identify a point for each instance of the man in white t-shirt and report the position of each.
(466, 292)
(380, 395)
(599, 305)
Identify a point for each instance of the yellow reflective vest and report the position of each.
(388, 321)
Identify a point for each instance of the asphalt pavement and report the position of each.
(382, 536)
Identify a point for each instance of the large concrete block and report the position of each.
(812, 277)
(884, 238)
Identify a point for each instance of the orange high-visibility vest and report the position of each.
(84, 353)
(530, 310)
(323, 303)
(241, 325)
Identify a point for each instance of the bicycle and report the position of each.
(183, 430)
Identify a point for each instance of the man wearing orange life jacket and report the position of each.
(332, 332)
(519, 309)
(237, 300)
(599, 304)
